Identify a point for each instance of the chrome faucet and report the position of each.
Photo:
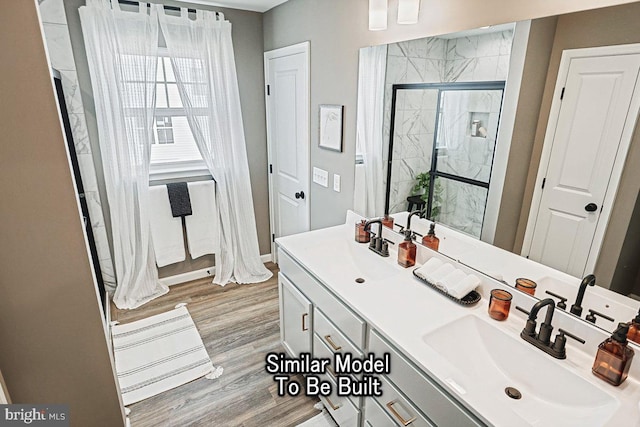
(542, 339)
(589, 280)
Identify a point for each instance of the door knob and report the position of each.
(300, 195)
(591, 207)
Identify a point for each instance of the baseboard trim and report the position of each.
(200, 274)
(188, 276)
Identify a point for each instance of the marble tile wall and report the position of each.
(437, 60)
(61, 56)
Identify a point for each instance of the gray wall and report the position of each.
(534, 74)
(337, 29)
(248, 48)
(52, 338)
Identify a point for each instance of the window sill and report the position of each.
(174, 171)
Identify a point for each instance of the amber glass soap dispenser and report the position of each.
(634, 329)
(430, 240)
(407, 251)
(613, 359)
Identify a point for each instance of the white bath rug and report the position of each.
(159, 353)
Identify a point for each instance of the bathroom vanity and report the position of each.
(449, 365)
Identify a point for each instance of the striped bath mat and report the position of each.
(159, 353)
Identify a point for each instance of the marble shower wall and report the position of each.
(439, 60)
(465, 155)
(60, 52)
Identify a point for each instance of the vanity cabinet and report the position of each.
(295, 318)
(316, 320)
(420, 390)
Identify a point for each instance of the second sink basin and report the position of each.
(479, 361)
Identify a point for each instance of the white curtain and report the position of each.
(371, 74)
(122, 49)
(202, 57)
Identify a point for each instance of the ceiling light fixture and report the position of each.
(408, 11)
(377, 15)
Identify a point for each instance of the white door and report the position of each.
(295, 318)
(287, 98)
(586, 139)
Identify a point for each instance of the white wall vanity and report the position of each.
(449, 365)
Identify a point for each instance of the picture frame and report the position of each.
(330, 124)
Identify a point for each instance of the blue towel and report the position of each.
(179, 199)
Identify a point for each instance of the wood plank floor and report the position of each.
(238, 324)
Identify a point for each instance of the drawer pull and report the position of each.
(304, 326)
(331, 343)
(331, 372)
(333, 407)
(397, 414)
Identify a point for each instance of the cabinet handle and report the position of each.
(304, 326)
(331, 371)
(334, 407)
(331, 343)
(397, 414)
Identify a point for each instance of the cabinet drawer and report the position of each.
(400, 409)
(320, 350)
(346, 320)
(429, 397)
(329, 334)
(340, 408)
(374, 415)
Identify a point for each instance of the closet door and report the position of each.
(295, 318)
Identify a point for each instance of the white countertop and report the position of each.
(404, 310)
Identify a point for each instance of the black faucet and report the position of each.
(589, 280)
(418, 212)
(542, 339)
(377, 244)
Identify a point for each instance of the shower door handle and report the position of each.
(591, 207)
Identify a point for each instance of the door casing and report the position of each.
(618, 166)
(304, 48)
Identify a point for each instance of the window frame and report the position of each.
(172, 169)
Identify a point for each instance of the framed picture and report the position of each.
(330, 125)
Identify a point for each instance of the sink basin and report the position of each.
(479, 361)
(345, 259)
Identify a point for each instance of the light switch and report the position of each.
(336, 182)
(320, 177)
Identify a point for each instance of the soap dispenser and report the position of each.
(430, 240)
(614, 357)
(407, 250)
(387, 221)
(634, 329)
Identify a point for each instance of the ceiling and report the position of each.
(254, 5)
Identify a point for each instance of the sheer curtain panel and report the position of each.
(122, 50)
(202, 56)
(371, 73)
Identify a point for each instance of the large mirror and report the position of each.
(465, 131)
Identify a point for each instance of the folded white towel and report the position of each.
(203, 230)
(428, 268)
(449, 282)
(464, 286)
(442, 272)
(166, 231)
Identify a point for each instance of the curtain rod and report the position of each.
(172, 8)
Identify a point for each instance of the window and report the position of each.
(174, 152)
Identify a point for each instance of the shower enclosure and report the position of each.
(441, 147)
